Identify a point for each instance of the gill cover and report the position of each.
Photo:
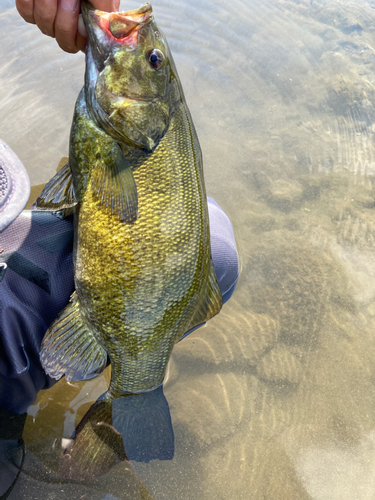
(128, 75)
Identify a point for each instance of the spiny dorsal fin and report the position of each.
(113, 185)
(70, 349)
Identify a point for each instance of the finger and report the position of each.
(106, 5)
(66, 24)
(26, 10)
(81, 42)
(44, 15)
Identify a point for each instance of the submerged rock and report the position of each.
(280, 194)
(285, 196)
(290, 280)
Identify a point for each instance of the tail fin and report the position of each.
(145, 424)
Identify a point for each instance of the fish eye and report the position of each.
(155, 58)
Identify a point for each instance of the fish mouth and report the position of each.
(107, 31)
(116, 26)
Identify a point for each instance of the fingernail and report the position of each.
(71, 5)
(81, 26)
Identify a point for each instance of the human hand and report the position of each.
(60, 19)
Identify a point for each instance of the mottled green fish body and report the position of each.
(143, 271)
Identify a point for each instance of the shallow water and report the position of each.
(275, 397)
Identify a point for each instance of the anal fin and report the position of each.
(210, 302)
(70, 349)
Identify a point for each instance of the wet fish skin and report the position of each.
(143, 270)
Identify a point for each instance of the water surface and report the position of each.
(275, 397)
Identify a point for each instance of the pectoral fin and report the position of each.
(98, 161)
(114, 186)
(70, 349)
(58, 193)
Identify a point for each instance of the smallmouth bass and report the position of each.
(143, 270)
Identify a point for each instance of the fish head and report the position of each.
(131, 83)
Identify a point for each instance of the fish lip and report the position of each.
(145, 7)
(137, 18)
